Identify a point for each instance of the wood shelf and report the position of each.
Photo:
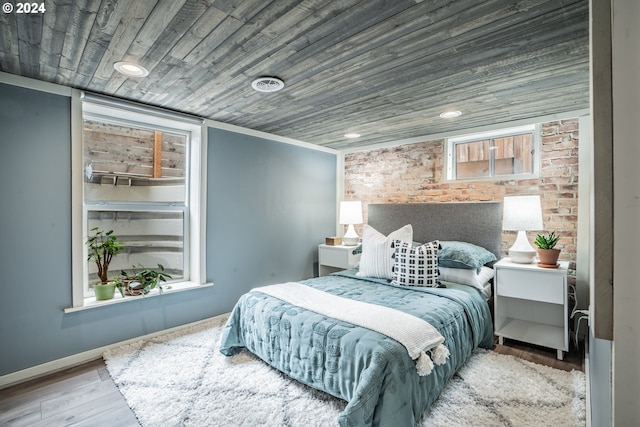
(131, 179)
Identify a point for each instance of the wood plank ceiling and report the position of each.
(383, 68)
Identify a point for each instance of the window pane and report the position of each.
(473, 159)
(514, 154)
(150, 238)
(509, 152)
(127, 163)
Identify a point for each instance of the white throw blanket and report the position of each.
(417, 335)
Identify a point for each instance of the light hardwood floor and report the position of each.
(81, 396)
(86, 396)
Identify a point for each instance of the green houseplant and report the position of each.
(103, 246)
(143, 281)
(547, 253)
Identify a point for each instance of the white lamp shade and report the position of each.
(522, 213)
(351, 212)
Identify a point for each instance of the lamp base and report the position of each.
(350, 238)
(353, 241)
(522, 257)
(522, 252)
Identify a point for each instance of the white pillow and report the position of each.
(377, 254)
(467, 276)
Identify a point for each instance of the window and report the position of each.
(142, 178)
(506, 153)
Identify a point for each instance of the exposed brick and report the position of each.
(568, 127)
(415, 173)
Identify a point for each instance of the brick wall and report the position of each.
(415, 173)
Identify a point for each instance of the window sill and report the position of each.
(91, 302)
(518, 177)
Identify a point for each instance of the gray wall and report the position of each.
(269, 206)
(35, 254)
(600, 381)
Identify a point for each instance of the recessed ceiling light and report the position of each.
(352, 135)
(130, 69)
(451, 114)
(267, 84)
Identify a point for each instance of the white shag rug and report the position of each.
(181, 379)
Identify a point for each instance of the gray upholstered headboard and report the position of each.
(479, 223)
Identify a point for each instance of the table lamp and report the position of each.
(522, 214)
(350, 213)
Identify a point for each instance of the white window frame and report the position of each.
(450, 149)
(126, 112)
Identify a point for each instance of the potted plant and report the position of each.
(142, 282)
(103, 246)
(547, 253)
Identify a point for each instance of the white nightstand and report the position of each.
(531, 304)
(336, 258)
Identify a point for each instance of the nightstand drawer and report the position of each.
(337, 256)
(536, 287)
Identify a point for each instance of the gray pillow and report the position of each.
(465, 255)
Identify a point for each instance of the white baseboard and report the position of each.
(80, 358)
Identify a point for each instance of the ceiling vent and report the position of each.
(267, 84)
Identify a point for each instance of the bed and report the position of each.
(379, 377)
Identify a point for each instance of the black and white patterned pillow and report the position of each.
(415, 266)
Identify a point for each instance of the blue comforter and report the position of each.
(372, 372)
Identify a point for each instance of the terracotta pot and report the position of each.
(548, 257)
